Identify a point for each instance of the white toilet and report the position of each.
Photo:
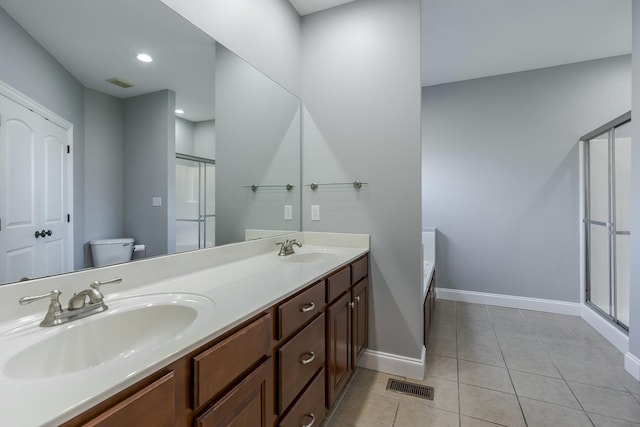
(111, 251)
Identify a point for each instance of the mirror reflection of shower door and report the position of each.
(195, 203)
(607, 196)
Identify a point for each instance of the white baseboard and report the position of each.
(632, 365)
(394, 364)
(537, 304)
(615, 336)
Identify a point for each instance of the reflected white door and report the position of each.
(34, 195)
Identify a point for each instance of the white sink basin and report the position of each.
(308, 257)
(129, 327)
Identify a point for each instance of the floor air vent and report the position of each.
(417, 390)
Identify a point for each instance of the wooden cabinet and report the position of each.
(284, 367)
(153, 405)
(338, 283)
(250, 403)
(429, 305)
(309, 409)
(347, 325)
(339, 363)
(360, 320)
(237, 353)
(301, 356)
(303, 307)
(299, 360)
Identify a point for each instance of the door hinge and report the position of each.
(68, 149)
(68, 217)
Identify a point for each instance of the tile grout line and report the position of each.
(553, 362)
(524, 418)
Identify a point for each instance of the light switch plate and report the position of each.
(156, 201)
(315, 212)
(288, 212)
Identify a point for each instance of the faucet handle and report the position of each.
(54, 294)
(96, 285)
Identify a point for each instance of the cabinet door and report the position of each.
(154, 405)
(338, 347)
(427, 316)
(360, 320)
(250, 403)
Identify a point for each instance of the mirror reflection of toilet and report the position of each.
(113, 251)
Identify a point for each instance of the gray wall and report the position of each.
(196, 138)
(185, 131)
(149, 170)
(634, 300)
(266, 33)
(103, 167)
(204, 144)
(500, 174)
(27, 67)
(361, 92)
(258, 142)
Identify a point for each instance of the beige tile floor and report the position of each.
(499, 366)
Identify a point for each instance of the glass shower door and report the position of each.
(195, 203)
(599, 271)
(607, 220)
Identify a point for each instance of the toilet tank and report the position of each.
(111, 251)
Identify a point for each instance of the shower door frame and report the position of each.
(202, 196)
(609, 130)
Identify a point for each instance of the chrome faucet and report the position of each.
(78, 307)
(286, 247)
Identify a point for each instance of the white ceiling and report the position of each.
(98, 40)
(305, 7)
(466, 39)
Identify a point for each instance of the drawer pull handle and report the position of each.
(307, 307)
(313, 420)
(357, 298)
(352, 304)
(309, 359)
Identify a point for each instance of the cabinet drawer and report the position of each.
(359, 269)
(250, 403)
(295, 312)
(338, 283)
(217, 367)
(299, 360)
(153, 405)
(309, 409)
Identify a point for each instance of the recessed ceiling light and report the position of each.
(179, 111)
(144, 57)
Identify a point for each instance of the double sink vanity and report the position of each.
(237, 335)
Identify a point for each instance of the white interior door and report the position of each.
(34, 194)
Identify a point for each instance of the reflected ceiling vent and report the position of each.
(119, 82)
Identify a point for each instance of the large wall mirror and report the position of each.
(193, 149)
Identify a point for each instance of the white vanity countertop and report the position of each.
(239, 289)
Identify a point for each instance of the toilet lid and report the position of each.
(111, 241)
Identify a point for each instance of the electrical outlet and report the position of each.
(288, 212)
(156, 201)
(315, 212)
